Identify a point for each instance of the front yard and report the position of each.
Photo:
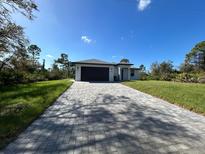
(187, 95)
(21, 104)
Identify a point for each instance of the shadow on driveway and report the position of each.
(108, 124)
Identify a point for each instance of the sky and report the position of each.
(144, 31)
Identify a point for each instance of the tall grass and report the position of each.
(21, 104)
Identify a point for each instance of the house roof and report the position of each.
(98, 62)
(93, 61)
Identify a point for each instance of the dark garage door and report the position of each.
(94, 74)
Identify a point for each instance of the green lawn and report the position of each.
(187, 95)
(21, 104)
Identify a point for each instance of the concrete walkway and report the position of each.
(112, 118)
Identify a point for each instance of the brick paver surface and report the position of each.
(111, 118)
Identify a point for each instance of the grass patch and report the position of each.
(187, 95)
(21, 104)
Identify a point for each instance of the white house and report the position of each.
(98, 70)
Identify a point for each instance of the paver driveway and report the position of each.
(112, 118)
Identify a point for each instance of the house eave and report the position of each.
(124, 64)
(92, 64)
(101, 64)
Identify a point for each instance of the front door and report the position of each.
(124, 74)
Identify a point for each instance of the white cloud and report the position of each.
(114, 56)
(50, 56)
(85, 39)
(143, 4)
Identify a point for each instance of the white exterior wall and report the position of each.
(136, 75)
(129, 73)
(78, 71)
(123, 66)
(113, 71)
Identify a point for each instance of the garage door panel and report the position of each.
(94, 74)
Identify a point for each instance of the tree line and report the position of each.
(191, 70)
(19, 59)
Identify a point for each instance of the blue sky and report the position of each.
(144, 31)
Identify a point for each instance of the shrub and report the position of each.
(33, 77)
(143, 76)
(187, 77)
(162, 71)
(7, 77)
(167, 76)
(55, 75)
(202, 78)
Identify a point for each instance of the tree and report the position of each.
(162, 71)
(64, 63)
(11, 35)
(43, 66)
(16, 60)
(186, 67)
(166, 70)
(155, 70)
(55, 73)
(142, 67)
(11, 40)
(124, 60)
(7, 7)
(20, 61)
(34, 50)
(197, 56)
(63, 60)
(166, 67)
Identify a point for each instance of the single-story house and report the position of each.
(98, 70)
